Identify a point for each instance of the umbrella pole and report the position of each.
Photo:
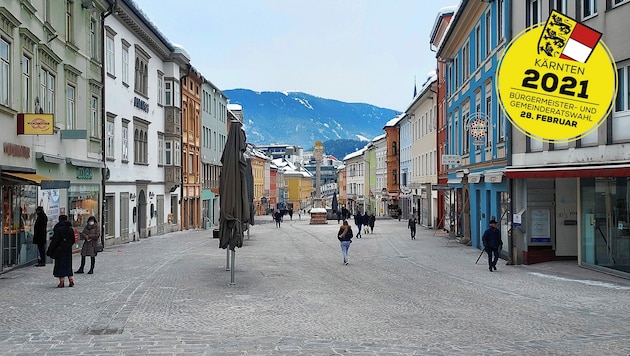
(227, 260)
(232, 271)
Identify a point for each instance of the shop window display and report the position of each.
(18, 217)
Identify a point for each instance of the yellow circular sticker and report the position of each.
(557, 82)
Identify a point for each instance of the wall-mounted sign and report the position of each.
(451, 159)
(557, 81)
(141, 104)
(11, 149)
(478, 128)
(84, 173)
(35, 124)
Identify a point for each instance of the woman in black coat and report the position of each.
(39, 235)
(61, 248)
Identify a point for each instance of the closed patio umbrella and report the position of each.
(334, 205)
(233, 191)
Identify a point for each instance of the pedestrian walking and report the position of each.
(291, 214)
(399, 214)
(345, 238)
(338, 213)
(358, 221)
(299, 214)
(372, 221)
(412, 226)
(278, 218)
(39, 235)
(366, 223)
(61, 250)
(91, 235)
(492, 243)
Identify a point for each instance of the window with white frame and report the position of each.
(176, 95)
(110, 58)
(621, 112)
(477, 46)
(589, 8)
(532, 12)
(47, 91)
(619, 2)
(26, 84)
(168, 93)
(500, 125)
(455, 73)
(160, 149)
(466, 131)
(489, 126)
(5, 72)
(93, 39)
(109, 143)
(95, 122)
(70, 107)
(125, 141)
(168, 153)
(558, 5)
(125, 63)
(160, 88)
(177, 153)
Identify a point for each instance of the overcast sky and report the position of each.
(365, 51)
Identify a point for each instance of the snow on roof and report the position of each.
(234, 107)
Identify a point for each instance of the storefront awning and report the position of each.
(84, 163)
(34, 178)
(570, 172)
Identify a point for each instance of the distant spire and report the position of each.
(415, 91)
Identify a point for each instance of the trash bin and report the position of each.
(215, 233)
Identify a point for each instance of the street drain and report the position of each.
(106, 331)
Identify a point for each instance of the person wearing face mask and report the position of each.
(91, 234)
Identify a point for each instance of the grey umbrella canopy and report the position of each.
(233, 189)
(334, 204)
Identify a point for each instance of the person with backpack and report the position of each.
(345, 238)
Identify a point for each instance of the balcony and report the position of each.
(172, 120)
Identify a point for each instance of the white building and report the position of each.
(143, 126)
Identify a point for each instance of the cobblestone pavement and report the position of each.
(171, 295)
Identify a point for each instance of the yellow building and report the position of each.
(258, 172)
(299, 189)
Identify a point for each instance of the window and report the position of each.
(489, 129)
(466, 61)
(176, 95)
(621, 112)
(160, 88)
(177, 154)
(141, 82)
(125, 141)
(4, 72)
(394, 149)
(618, 2)
(140, 142)
(500, 21)
(160, 149)
(589, 8)
(168, 93)
(70, 108)
(93, 39)
(168, 153)
(95, 122)
(532, 12)
(125, 64)
(26, 84)
(110, 59)
(465, 132)
(477, 46)
(488, 32)
(558, 5)
(109, 143)
(69, 20)
(47, 91)
(500, 125)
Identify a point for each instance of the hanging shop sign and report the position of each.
(35, 124)
(557, 81)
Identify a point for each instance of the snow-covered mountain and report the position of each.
(301, 119)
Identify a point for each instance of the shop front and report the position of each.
(21, 191)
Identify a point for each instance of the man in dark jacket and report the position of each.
(358, 221)
(493, 244)
(39, 235)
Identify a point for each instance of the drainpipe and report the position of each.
(104, 171)
(512, 249)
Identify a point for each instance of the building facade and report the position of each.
(191, 148)
(51, 93)
(214, 136)
(142, 127)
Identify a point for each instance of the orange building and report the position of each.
(392, 136)
(191, 148)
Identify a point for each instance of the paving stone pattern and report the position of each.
(171, 295)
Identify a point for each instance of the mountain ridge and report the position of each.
(272, 117)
